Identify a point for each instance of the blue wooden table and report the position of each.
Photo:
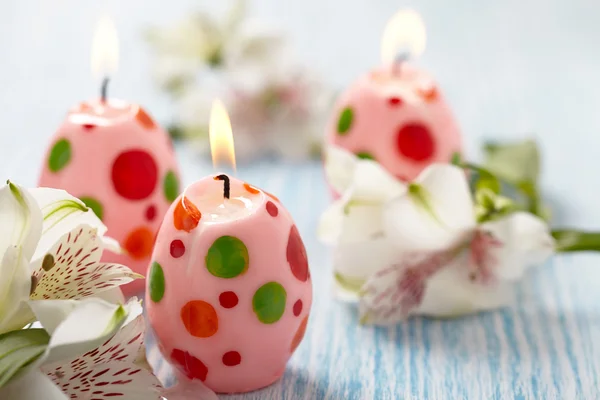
(543, 346)
(510, 69)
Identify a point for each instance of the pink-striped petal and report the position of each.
(394, 292)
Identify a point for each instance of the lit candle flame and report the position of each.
(105, 49)
(221, 137)
(404, 32)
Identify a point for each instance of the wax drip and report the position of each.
(104, 89)
(226, 184)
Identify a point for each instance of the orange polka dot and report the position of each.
(251, 189)
(186, 215)
(273, 197)
(299, 334)
(429, 94)
(200, 318)
(139, 243)
(144, 119)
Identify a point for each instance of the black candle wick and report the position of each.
(104, 89)
(226, 184)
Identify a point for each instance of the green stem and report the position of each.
(569, 240)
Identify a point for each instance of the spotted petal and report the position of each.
(88, 324)
(526, 242)
(435, 213)
(20, 220)
(393, 293)
(452, 293)
(113, 369)
(15, 284)
(71, 268)
(62, 213)
(32, 386)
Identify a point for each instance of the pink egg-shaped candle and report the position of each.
(396, 114)
(112, 155)
(229, 289)
(119, 162)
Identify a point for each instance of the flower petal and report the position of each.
(114, 295)
(393, 293)
(339, 168)
(371, 183)
(71, 268)
(32, 386)
(61, 213)
(15, 284)
(116, 379)
(451, 293)
(20, 219)
(437, 213)
(526, 242)
(354, 263)
(116, 366)
(87, 325)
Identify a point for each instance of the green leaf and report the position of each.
(514, 162)
(568, 240)
(18, 349)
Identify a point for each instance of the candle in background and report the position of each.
(114, 157)
(396, 115)
(229, 289)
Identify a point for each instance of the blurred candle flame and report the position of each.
(105, 49)
(221, 136)
(404, 32)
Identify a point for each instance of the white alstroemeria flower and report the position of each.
(449, 265)
(118, 368)
(354, 222)
(50, 247)
(70, 328)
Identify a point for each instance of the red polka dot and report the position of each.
(415, 142)
(134, 174)
(232, 358)
(192, 367)
(228, 299)
(272, 209)
(296, 255)
(297, 307)
(151, 212)
(88, 127)
(394, 101)
(177, 248)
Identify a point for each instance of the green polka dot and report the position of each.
(365, 155)
(269, 302)
(60, 155)
(94, 205)
(156, 282)
(227, 257)
(345, 121)
(171, 186)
